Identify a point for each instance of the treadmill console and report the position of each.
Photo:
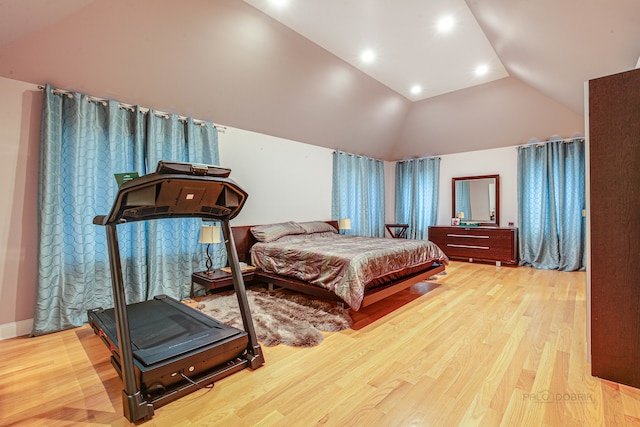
(177, 190)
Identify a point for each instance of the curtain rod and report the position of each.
(131, 107)
(419, 158)
(541, 143)
(378, 160)
(359, 156)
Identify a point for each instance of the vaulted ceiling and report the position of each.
(281, 73)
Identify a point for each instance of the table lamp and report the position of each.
(344, 224)
(209, 234)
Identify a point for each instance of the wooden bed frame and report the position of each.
(244, 240)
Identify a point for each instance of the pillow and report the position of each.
(271, 232)
(321, 235)
(317, 227)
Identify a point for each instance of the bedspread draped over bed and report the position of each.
(345, 265)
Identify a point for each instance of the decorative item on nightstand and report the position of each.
(209, 234)
(344, 224)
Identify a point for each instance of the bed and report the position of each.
(313, 258)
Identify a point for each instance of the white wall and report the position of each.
(20, 106)
(501, 161)
(286, 180)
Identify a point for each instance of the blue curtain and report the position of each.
(551, 199)
(463, 199)
(417, 184)
(358, 193)
(85, 141)
(176, 252)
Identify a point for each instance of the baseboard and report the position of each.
(16, 329)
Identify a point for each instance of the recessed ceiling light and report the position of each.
(279, 3)
(445, 24)
(416, 89)
(368, 56)
(481, 70)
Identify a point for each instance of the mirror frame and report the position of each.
(464, 178)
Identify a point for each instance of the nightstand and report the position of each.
(217, 279)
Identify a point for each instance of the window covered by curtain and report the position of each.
(85, 141)
(417, 183)
(551, 198)
(358, 193)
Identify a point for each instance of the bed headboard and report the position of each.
(244, 240)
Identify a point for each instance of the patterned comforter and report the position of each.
(342, 264)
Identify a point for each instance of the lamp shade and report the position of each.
(209, 234)
(344, 224)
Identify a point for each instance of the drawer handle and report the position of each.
(471, 236)
(467, 246)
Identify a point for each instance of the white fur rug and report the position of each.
(279, 317)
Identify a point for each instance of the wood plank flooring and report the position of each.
(483, 345)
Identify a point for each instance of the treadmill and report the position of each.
(163, 349)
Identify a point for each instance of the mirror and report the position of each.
(476, 200)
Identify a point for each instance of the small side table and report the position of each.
(217, 279)
(397, 231)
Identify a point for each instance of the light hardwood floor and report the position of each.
(482, 345)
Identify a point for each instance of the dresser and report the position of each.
(498, 244)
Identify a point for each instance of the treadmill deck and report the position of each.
(169, 339)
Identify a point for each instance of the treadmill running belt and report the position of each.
(153, 325)
(164, 328)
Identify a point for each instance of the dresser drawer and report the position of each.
(482, 243)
